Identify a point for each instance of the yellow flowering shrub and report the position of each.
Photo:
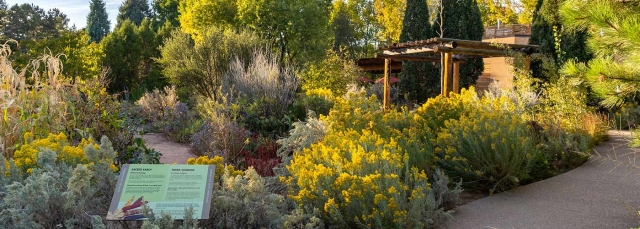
(369, 170)
(489, 146)
(25, 156)
(218, 162)
(440, 109)
(357, 179)
(356, 111)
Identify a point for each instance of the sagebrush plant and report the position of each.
(244, 202)
(302, 135)
(165, 221)
(259, 91)
(56, 194)
(262, 78)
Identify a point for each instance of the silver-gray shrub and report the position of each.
(261, 78)
(58, 195)
(302, 135)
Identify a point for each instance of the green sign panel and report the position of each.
(162, 188)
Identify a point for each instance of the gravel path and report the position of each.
(599, 194)
(172, 152)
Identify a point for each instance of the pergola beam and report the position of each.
(417, 58)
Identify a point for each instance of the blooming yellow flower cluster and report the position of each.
(321, 92)
(25, 156)
(354, 176)
(369, 168)
(217, 161)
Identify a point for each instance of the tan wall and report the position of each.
(496, 69)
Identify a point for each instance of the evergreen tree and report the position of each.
(122, 49)
(555, 41)
(461, 19)
(418, 80)
(612, 26)
(167, 11)
(98, 24)
(133, 10)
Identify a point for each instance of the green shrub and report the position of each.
(138, 153)
(489, 147)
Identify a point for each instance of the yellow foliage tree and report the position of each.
(196, 16)
(389, 14)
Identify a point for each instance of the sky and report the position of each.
(76, 10)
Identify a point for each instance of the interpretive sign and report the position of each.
(162, 188)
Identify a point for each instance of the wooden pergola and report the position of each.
(452, 53)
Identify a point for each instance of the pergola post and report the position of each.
(448, 61)
(387, 92)
(456, 77)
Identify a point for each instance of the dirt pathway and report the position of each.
(172, 152)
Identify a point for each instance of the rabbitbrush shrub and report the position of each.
(56, 194)
(369, 170)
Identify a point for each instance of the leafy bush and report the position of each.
(263, 159)
(56, 194)
(138, 153)
(320, 101)
(199, 67)
(333, 73)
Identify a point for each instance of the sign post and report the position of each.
(162, 188)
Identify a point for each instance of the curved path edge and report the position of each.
(599, 194)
